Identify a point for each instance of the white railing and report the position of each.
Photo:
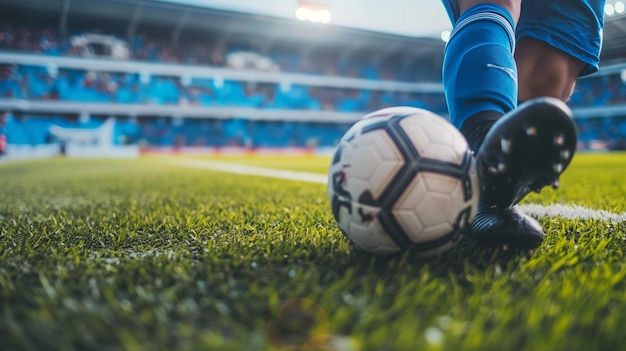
(141, 110)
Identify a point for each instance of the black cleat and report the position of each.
(508, 227)
(523, 151)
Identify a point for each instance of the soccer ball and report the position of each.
(403, 178)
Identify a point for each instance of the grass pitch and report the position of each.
(142, 255)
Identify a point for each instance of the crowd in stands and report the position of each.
(52, 84)
(210, 52)
(38, 83)
(604, 90)
(601, 91)
(596, 133)
(167, 132)
(214, 132)
(89, 86)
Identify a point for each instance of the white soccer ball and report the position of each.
(403, 178)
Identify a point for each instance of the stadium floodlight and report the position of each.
(609, 10)
(315, 12)
(445, 36)
(301, 13)
(619, 7)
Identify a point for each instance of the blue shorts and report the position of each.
(572, 26)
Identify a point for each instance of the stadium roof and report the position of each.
(403, 17)
(178, 18)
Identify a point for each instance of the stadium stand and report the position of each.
(174, 90)
(37, 83)
(18, 37)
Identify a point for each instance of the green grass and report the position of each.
(131, 255)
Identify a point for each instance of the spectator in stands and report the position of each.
(3, 137)
(3, 144)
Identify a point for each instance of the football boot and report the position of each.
(523, 151)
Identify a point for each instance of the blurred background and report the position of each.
(120, 78)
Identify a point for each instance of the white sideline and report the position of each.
(535, 210)
(572, 212)
(251, 170)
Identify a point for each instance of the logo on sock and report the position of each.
(506, 70)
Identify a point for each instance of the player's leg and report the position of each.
(479, 71)
(455, 8)
(558, 41)
(525, 149)
(545, 70)
(529, 148)
(480, 82)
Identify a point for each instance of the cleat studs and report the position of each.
(531, 131)
(538, 190)
(493, 170)
(565, 154)
(558, 167)
(505, 247)
(555, 184)
(559, 140)
(501, 167)
(505, 145)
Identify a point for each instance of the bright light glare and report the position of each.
(325, 16)
(619, 7)
(445, 36)
(609, 10)
(301, 13)
(313, 15)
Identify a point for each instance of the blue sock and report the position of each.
(479, 71)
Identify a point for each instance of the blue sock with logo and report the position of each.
(479, 71)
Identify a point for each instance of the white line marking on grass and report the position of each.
(535, 210)
(251, 170)
(572, 212)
